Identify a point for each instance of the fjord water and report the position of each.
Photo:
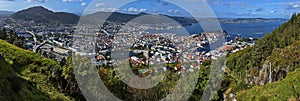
(253, 29)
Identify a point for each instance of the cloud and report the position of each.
(68, 0)
(30, 1)
(132, 9)
(103, 7)
(173, 11)
(143, 10)
(83, 3)
(272, 12)
(228, 3)
(293, 5)
(100, 4)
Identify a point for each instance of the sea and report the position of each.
(251, 29)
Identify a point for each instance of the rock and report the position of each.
(2, 98)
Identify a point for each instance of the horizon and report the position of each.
(222, 8)
(145, 13)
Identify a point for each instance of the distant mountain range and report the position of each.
(40, 14)
(248, 20)
(138, 18)
(4, 14)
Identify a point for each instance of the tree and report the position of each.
(3, 34)
(20, 42)
(63, 62)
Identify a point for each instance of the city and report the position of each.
(241, 54)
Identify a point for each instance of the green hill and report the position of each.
(26, 76)
(273, 48)
(273, 58)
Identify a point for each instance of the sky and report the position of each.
(221, 8)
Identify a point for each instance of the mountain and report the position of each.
(122, 17)
(40, 14)
(4, 14)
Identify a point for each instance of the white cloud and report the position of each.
(83, 3)
(37, 1)
(143, 10)
(132, 9)
(295, 6)
(105, 9)
(173, 11)
(68, 0)
(100, 4)
(272, 12)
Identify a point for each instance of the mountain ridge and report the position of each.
(40, 14)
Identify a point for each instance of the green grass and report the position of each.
(26, 76)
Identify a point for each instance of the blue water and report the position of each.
(257, 29)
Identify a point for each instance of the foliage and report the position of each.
(13, 87)
(43, 76)
(13, 38)
(287, 89)
(280, 49)
(264, 49)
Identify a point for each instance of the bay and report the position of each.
(253, 29)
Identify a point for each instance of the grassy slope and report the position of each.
(252, 59)
(281, 48)
(287, 89)
(25, 75)
(13, 87)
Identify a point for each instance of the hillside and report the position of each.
(273, 49)
(27, 76)
(287, 89)
(269, 65)
(13, 87)
(122, 17)
(40, 14)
